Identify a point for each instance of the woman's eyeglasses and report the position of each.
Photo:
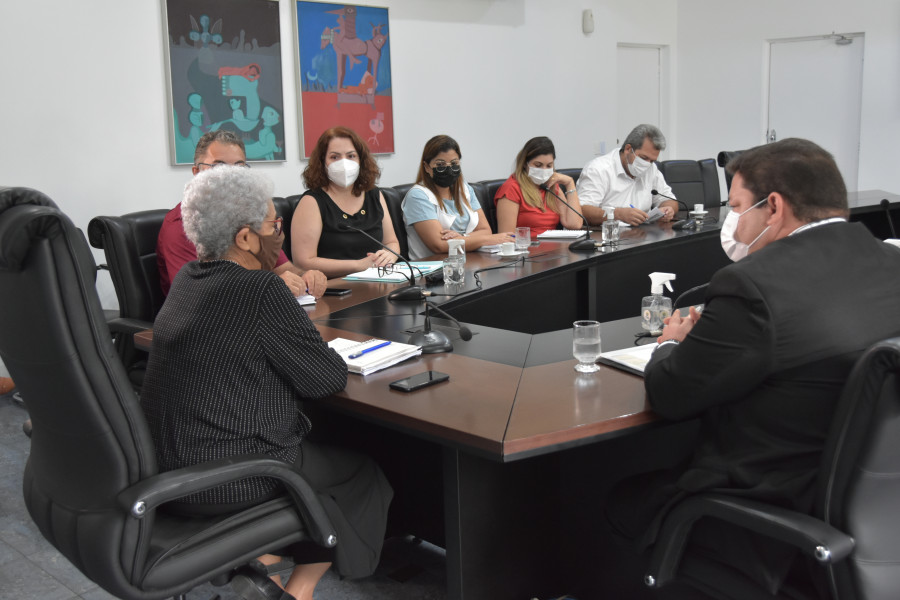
(279, 224)
(442, 168)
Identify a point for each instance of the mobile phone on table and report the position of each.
(336, 291)
(418, 381)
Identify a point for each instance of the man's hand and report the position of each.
(632, 216)
(668, 213)
(316, 282)
(676, 328)
(294, 282)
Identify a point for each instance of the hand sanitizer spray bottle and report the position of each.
(656, 307)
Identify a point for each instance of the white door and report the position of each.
(639, 87)
(815, 92)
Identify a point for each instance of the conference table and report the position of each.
(495, 464)
(464, 456)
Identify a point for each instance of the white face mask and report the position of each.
(639, 166)
(343, 172)
(539, 176)
(734, 249)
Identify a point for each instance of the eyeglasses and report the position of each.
(385, 270)
(240, 163)
(442, 167)
(279, 223)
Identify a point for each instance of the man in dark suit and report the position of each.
(782, 327)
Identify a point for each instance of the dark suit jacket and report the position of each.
(766, 362)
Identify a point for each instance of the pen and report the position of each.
(369, 349)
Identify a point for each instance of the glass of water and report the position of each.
(455, 269)
(523, 238)
(611, 232)
(586, 345)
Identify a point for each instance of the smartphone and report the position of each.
(336, 291)
(535, 242)
(418, 381)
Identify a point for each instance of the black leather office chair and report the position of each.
(573, 173)
(485, 190)
(693, 181)
(129, 245)
(284, 208)
(394, 199)
(855, 533)
(91, 483)
(723, 159)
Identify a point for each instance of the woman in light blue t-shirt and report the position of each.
(442, 206)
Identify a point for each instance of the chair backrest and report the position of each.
(129, 243)
(859, 490)
(693, 181)
(573, 173)
(485, 191)
(724, 157)
(90, 439)
(284, 208)
(393, 197)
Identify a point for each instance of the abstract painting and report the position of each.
(224, 68)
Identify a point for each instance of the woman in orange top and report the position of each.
(522, 200)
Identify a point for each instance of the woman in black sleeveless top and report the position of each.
(341, 178)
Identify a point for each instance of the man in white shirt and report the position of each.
(625, 178)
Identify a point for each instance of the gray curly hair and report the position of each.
(218, 202)
(643, 131)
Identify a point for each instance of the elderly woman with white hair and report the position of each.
(233, 357)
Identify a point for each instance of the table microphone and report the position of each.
(585, 244)
(412, 292)
(885, 204)
(680, 203)
(464, 332)
(429, 340)
(696, 288)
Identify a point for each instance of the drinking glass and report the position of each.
(455, 269)
(523, 238)
(586, 345)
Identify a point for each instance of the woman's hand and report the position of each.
(500, 238)
(564, 181)
(382, 258)
(449, 234)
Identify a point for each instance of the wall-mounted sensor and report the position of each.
(587, 21)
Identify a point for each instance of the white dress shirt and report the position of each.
(604, 182)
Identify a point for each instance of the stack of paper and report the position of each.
(306, 300)
(491, 248)
(564, 234)
(368, 357)
(400, 272)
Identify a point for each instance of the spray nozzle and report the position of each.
(658, 280)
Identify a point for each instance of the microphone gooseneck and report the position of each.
(696, 288)
(585, 244)
(464, 332)
(886, 205)
(411, 293)
(680, 203)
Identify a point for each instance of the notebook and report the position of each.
(374, 360)
(633, 359)
(399, 274)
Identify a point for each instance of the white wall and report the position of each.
(85, 117)
(721, 50)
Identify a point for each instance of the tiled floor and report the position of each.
(30, 568)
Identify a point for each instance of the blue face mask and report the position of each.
(734, 249)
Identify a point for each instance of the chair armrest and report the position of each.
(809, 534)
(128, 326)
(150, 493)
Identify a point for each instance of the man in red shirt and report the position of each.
(173, 249)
